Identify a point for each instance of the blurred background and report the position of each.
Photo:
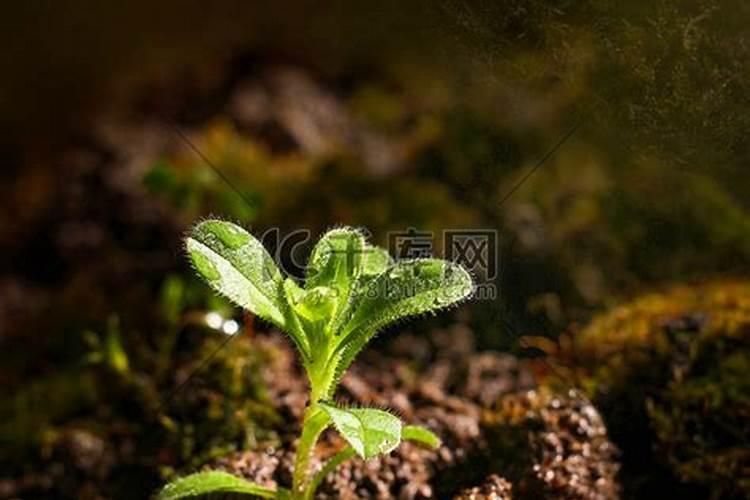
(605, 142)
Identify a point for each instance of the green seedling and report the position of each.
(352, 290)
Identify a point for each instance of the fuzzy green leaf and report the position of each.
(420, 435)
(408, 288)
(405, 289)
(309, 312)
(375, 260)
(203, 483)
(370, 432)
(316, 304)
(295, 325)
(336, 261)
(236, 265)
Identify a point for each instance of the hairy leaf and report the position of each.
(236, 265)
(336, 261)
(203, 483)
(295, 325)
(420, 435)
(316, 304)
(375, 261)
(404, 289)
(352, 290)
(370, 432)
(408, 288)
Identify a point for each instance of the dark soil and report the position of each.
(471, 400)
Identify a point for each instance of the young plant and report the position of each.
(351, 291)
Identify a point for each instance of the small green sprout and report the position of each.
(352, 290)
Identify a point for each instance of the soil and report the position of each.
(470, 400)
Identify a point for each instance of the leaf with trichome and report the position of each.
(351, 291)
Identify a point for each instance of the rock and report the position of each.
(669, 373)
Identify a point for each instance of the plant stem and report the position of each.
(313, 424)
(321, 373)
(334, 462)
(325, 377)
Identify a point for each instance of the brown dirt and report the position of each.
(466, 398)
(494, 488)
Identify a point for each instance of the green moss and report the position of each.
(227, 407)
(669, 372)
(700, 420)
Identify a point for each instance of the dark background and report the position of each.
(385, 115)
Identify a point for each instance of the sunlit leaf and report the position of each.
(203, 483)
(408, 288)
(420, 435)
(352, 290)
(375, 260)
(310, 311)
(368, 431)
(294, 324)
(336, 263)
(336, 260)
(316, 304)
(405, 289)
(236, 265)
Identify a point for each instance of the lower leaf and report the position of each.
(203, 483)
(420, 435)
(370, 432)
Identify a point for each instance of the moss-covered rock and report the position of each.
(669, 372)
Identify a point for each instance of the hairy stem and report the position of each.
(322, 374)
(314, 423)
